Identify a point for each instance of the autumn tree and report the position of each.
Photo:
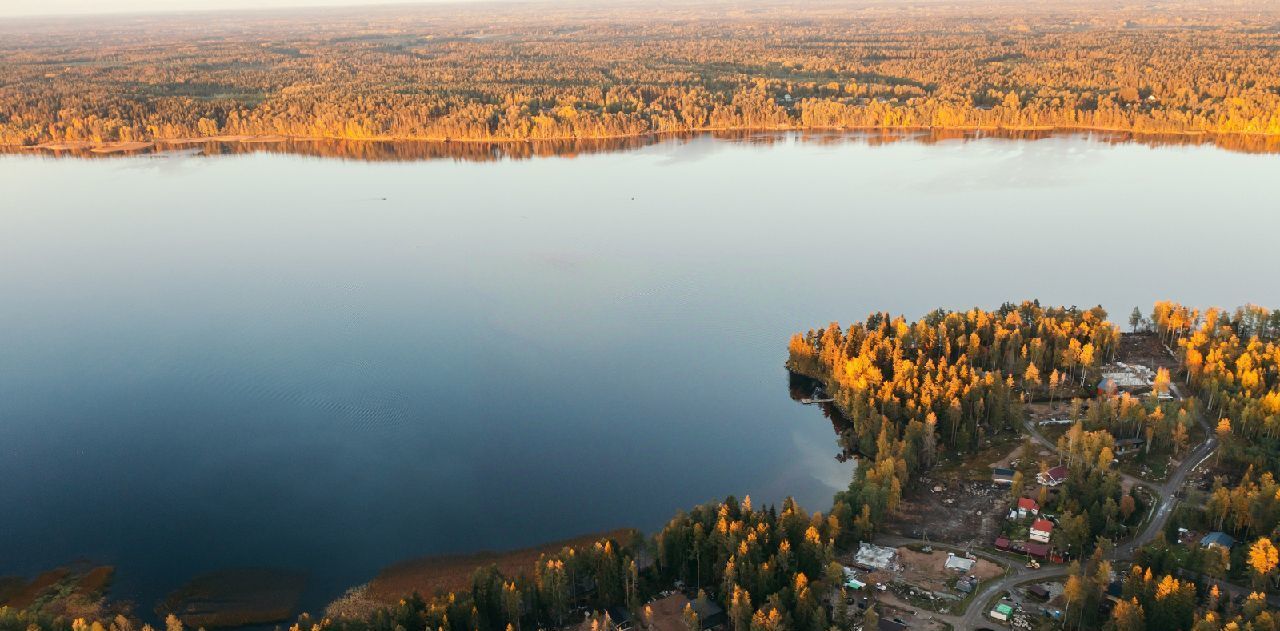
(1262, 560)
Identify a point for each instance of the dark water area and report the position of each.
(327, 366)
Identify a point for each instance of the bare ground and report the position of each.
(1145, 349)
(965, 509)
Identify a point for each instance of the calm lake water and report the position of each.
(330, 365)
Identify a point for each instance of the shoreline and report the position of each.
(442, 573)
(1270, 142)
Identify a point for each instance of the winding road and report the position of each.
(1166, 496)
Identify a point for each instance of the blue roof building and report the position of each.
(1217, 539)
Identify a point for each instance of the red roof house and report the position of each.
(1053, 477)
(1028, 505)
(1041, 530)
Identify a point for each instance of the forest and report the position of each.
(911, 390)
(526, 72)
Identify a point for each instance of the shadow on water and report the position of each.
(801, 389)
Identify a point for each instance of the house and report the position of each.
(1053, 477)
(1128, 445)
(613, 619)
(1038, 591)
(710, 615)
(1002, 476)
(1041, 530)
(1217, 538)
(873, 557)
(959, 563)
(1026, 507)
(1002, 543)
(1002, 612)
(1038, 550)
(966, 584)
(668, 613)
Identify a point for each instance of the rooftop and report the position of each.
(873, 556)
(1036, 549)
(1218, 539)
(1129, 375)
(959, 563)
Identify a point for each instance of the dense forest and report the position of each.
(525, 72)
(910, 390)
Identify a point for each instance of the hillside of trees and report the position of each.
(526, 72)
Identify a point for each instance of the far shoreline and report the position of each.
(1244, 142)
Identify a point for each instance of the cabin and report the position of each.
(1053, 477)
(1025, 507)
(966, 584)
(668, 613)
(1128, 445)
(1041, 530)
(1038, 591)
(1028, 505)
(710, 615)
(1002, 543)
(1002, 476)
(1220, 539)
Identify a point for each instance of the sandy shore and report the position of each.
(445, 573)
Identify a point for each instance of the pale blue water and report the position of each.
(258, 360)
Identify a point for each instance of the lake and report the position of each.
(332, 365)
